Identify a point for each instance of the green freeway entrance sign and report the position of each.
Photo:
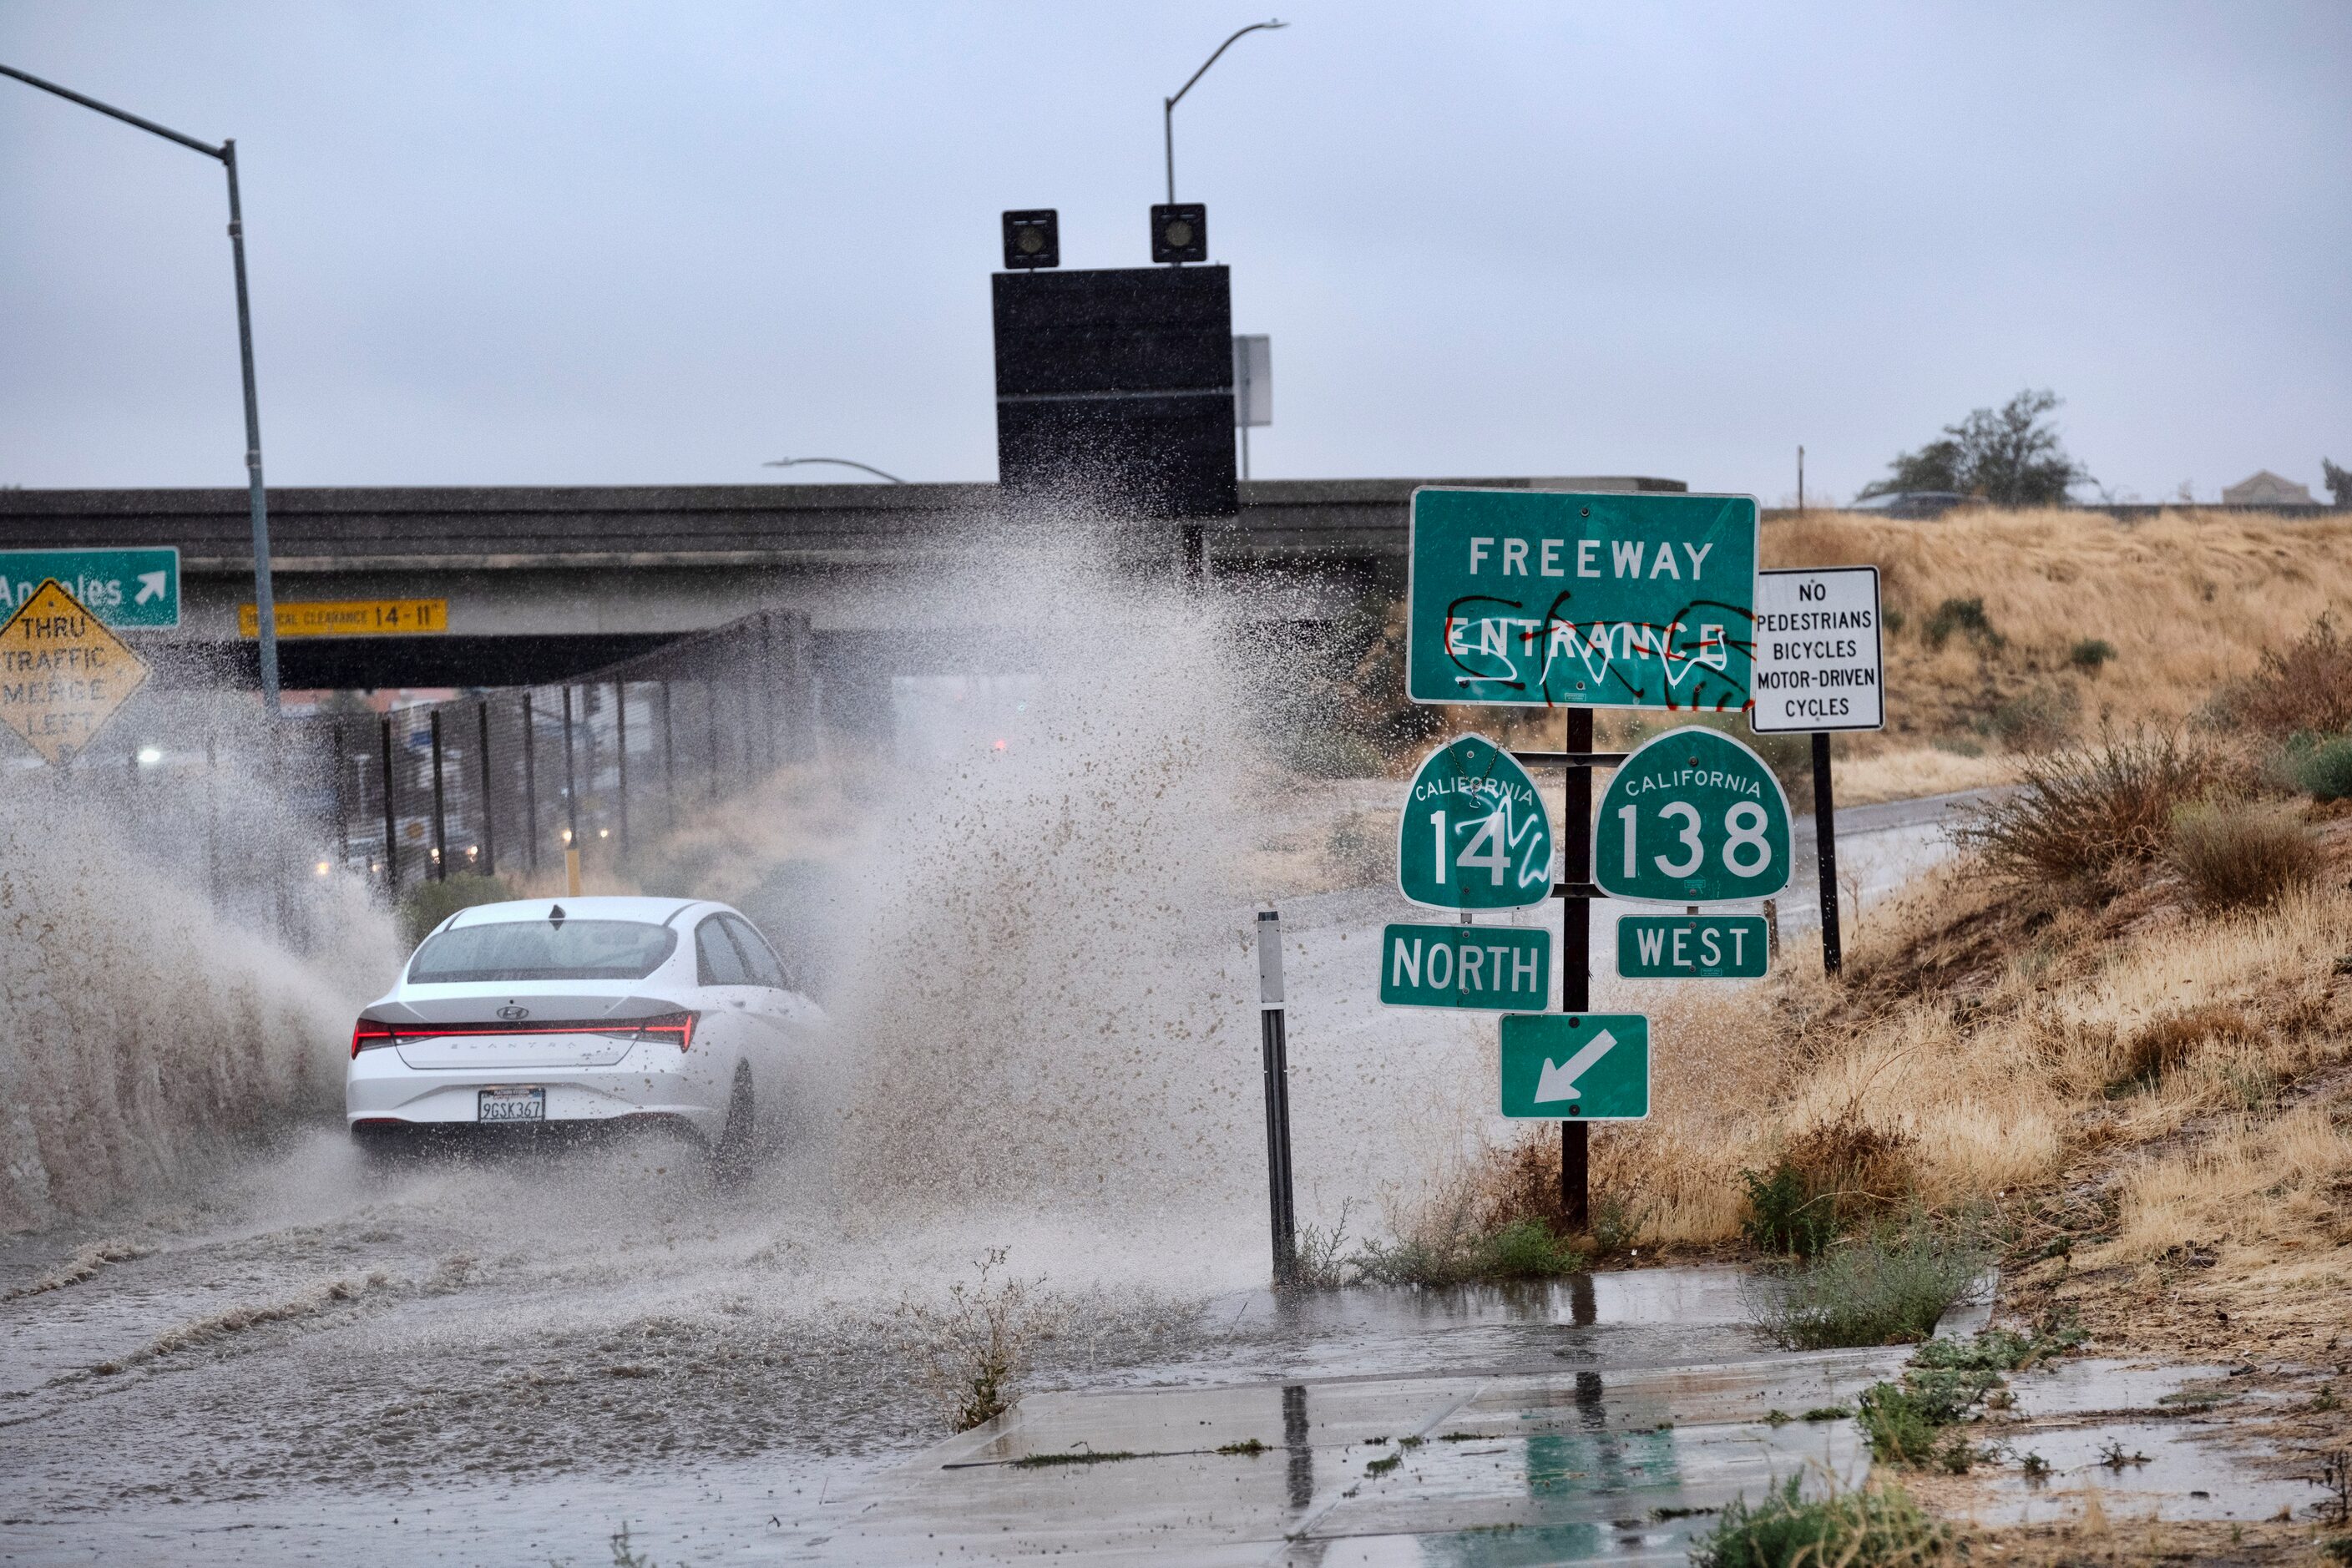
(1501, 967)
(1691, 818)
(1690, 947)
(1568, 1066)
(118, 587)
(1537, 599)
(1475, 833)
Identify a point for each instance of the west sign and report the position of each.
(1549, 599)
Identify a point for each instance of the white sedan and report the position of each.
(587, 1011)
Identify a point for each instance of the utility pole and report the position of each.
(265, 601)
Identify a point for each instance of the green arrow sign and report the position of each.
(1690, 947)
(1692, 817)
(1501, 967)
(1593, 1067)
(1475, 833)
(120, 587)
(1537, 599)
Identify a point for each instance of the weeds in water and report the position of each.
(1524, 1249)
(1877, 1527)
(1322, 1253)
(971, 1352)
(623, 1554)
(1248, 1448)
(1381, 1467)
(1945, 1383)
(1888, 1287)
(1827, 1412)
(2033, 1467)
(2113, 1455)
(1911, 1426)
(1076, 1457)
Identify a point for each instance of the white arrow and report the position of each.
(1557, 1082)
(151, 586)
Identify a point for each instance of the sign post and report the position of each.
(62, 674)
(1577, 601)
(1820, 667)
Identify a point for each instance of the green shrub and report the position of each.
(1785, 1214)
(1962, 615)
(1527, 1249)
(2323, 768)
(2082, 811)
(2034, 719)
(2239, 857)
(1879, 1527)
(2091, 655)
(1523, 1249)
(1888, 1287)
(427, 904)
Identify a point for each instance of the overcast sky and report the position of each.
(615, 244)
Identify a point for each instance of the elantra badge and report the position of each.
(510, 1013)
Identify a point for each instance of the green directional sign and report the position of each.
(1567, 1067)
(120, 587)
(1692, 817)
(1540, 599)
(1501, 967)
(1475, 833)
(1691, 947)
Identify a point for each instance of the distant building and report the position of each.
(2266, 488)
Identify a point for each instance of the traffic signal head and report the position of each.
(1180, 232)
(1032, 239)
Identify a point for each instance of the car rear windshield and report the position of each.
(542, 950)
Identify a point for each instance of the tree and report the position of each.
(2339, 481)
(2009, 456)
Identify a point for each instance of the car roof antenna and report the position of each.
(555, 914)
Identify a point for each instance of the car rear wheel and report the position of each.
(731, 1157)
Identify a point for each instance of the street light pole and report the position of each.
(1167, 106)
(265, 599)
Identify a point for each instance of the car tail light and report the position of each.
(369, 1032)
(678, 1026)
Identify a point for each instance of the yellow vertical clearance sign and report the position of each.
(62, 673)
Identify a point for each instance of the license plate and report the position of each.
(513, 1105)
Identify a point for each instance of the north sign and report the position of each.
(1691, 818)
(1505, 968)
(1550, 599)
(132, 588)
(1818, 660)
(1691, 947)
(62, 674)
(1474, 834)
(1567, 1067)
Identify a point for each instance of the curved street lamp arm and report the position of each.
(1168, 109)
(843, 462)
(206, 147)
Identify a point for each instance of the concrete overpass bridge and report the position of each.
(543, 582)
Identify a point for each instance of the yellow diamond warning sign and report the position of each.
(62, 673)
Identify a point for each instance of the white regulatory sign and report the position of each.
(1817, 665)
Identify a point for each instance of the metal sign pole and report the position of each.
(1276, 1054)
(1576, 951)
(1825, 839)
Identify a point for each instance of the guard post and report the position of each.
(1276, 1054)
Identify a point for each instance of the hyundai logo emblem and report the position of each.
(510, 1013)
